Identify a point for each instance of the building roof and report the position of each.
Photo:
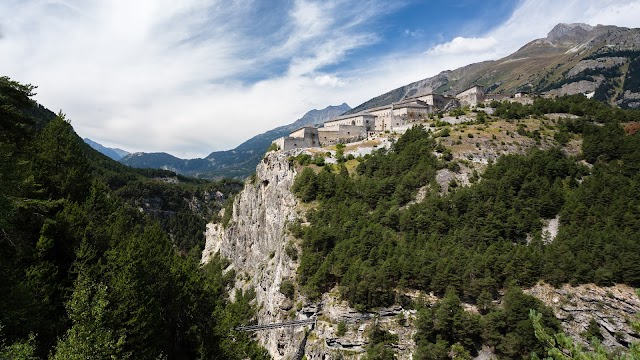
(304, 127)
(429, 94)
(471, 87)
(344, 117)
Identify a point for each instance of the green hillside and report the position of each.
(100, 261)
(365, 236)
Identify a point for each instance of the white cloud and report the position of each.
(462, 45)
(329, 80)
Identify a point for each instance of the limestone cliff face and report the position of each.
(613, 309)
(254, 242)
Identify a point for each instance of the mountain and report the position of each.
(113, 153)
(237, 163)
(602, 60)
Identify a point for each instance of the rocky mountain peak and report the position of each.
(574, 33)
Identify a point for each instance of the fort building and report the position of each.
(472, 96)
(305, 137)
(341, 134)
(435, 100)
(360, 119)
(355, 127)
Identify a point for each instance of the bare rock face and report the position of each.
(570, 33)
(578, 87)
(329, 343)
(600, 63)
(613, 308)
(254, 242)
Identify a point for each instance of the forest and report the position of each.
(365, 237)
(84, 273)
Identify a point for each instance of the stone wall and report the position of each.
(472, 96)
(302, 138)
(498, 97)
(365, 120)
(341, 134)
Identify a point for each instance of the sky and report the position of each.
(194, 76)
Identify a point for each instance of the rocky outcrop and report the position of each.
(331, 344)
(613, 309)
(600, 63)
(578, 87)
(255, 240)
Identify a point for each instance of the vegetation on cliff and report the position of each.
(83, 272)
(364, 237)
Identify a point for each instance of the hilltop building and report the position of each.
(360, 119)
(394, 117)
(305, 137)
(472, 96)
(435, 100)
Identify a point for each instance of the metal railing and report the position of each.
(259, 327)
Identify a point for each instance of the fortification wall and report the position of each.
(435, 100)
(341, 134)
(472, 96)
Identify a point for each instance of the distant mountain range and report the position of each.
(114, 153)
(237, 163)
(602, 61)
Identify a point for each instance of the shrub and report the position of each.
(342, 328)
(291, 251)
(287, 288)
(273, 147)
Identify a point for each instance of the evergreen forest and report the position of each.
(100, 261)
(365, 236)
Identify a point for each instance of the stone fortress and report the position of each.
(369, 123)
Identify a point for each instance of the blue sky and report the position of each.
(194, 76)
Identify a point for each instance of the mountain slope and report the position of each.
(236, 163)
(573, 58)
(92, 265)
(113, 153)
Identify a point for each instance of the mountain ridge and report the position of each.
(239, 162)
(541, 64)
(114, 153)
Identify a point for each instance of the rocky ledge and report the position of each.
(613, 309)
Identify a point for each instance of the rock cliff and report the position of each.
(612, 308)
(254, 241)
(261, 252)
